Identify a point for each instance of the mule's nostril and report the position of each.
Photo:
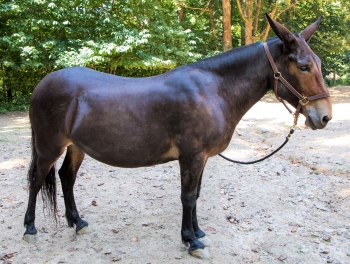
(326, 119)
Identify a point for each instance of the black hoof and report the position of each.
(196, 244)
(80, 225)
(30, 235)
(30, 230)
(199, 234)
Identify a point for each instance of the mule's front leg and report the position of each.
(191, 169)
(200, 235)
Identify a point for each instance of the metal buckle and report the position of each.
(303, 101)
(277, 75)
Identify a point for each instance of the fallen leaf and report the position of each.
(327, 238)
(209, 228)
(115, 231)
(255, 248)
(282, 257)
(114, 259)
(10, 255)
(94, 203)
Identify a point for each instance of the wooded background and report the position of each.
(148, 37)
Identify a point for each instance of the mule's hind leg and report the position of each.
(68, 174)
(42, 172)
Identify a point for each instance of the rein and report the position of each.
(303, 100)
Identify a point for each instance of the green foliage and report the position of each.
(139, 38)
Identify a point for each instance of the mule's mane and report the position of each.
(238, 56)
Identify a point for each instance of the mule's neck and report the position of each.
(244, 76)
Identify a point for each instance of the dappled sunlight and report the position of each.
(336, 141)
(345, 192)
(6, 131)
(242, 154)
(341, 112)
(11, 164)
(276, 112)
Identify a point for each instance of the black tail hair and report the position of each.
(48, 190)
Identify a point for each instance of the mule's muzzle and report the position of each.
(317, 123)
(326, 119)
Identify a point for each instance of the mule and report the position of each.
(187, 114)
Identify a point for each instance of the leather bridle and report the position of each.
(303, 100)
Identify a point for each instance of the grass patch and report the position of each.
(9, 107)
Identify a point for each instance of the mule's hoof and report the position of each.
(205, 240)
(31, 239)
(84, 230)
(201, 253)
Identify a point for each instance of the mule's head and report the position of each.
(301, 67)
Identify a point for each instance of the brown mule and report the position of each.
(188, 114)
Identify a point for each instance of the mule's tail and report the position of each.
(48, 189)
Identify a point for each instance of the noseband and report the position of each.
(303, 100)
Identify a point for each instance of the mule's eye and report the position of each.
(304, 68)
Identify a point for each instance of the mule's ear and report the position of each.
(287, 37)
(310, 30)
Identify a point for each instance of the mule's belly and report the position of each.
(124, 140)
(129, 157)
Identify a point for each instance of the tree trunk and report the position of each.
(256, 18)
(212, 23)
(334, 77)
(227, 34)
(249, 23)
(181, 12)
(9, 95)
(265, 33)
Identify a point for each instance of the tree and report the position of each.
(226, 22)
(250, 11)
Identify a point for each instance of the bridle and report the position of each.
(303, 100)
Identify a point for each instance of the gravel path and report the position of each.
(292, 208)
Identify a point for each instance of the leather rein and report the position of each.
(303, 100)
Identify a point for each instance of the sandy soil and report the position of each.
(292, 208)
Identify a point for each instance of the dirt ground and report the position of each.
(292, 208)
